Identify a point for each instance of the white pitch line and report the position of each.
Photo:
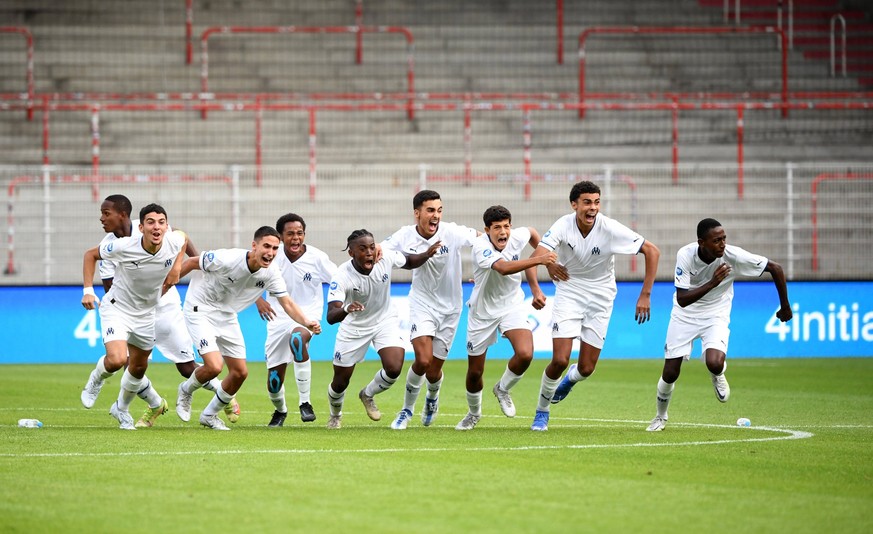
(789, 434)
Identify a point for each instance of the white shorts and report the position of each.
(440, 326)
(589, 327)
(215, 331)
(351, 349)
(482, 333)
(171, 336)
(277, 347)
(116, 325)
(681, 333)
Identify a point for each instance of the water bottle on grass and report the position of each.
(30, 423)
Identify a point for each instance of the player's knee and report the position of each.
(392, 370)
(114, 362)
(586, 369)
(211, 369)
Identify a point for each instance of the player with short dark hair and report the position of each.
(304, 268)
(232, 280)
(435, 300)
(495, 308)
(145, 266)
(586, 242)
(704, 280)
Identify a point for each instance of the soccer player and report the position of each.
(304, 268)
(435, 299)
(495, 306)
(232, 279)
(145, 266)
(360, 300)
(705, 273)
(586, 242)
(171, 337)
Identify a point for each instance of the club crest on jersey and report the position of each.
(385, 277)
(110, 331)
(203, 343)
(168, 263)
(515, 257)
(307, 277)
(260, 284)
(444, 249)
(595, 251)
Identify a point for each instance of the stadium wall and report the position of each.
(831, 319)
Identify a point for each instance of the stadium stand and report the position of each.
(129, 59)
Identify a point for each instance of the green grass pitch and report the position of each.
(805, 465)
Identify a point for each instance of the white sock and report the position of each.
(101, 369)
(413, 387)
(380, 383)
(129, 388)
(665, 392)
(509, 379)
(474, 401)
(192, 384)
(433, 389)
(218, 402)
(575, 375)
(335, 401)
(303, 374)
(212, 385)
(278, 399)
(547, 391)
(148, 393)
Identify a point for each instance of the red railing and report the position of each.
(815, 184)
(189, 31)
(28, 37)
(94, 181)
(410, 47)
(263, 102)
(680, 30)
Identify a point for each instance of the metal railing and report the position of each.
(259, 103)
(358, 30)
(48, 179)
(680, 30)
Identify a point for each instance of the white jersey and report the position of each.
(228, 285)
(303, 279)
(589, 260)
(373, 291)
(106, 269)
(436, 285)
(692, 272)
(139, 275)
(493, 293)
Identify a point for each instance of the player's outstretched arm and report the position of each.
(784, 314)
(190, 264)
(417, 260)
(294, 312)
(644, 302)
(89, 267)
(336, 312)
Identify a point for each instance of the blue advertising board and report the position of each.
(48, 324)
